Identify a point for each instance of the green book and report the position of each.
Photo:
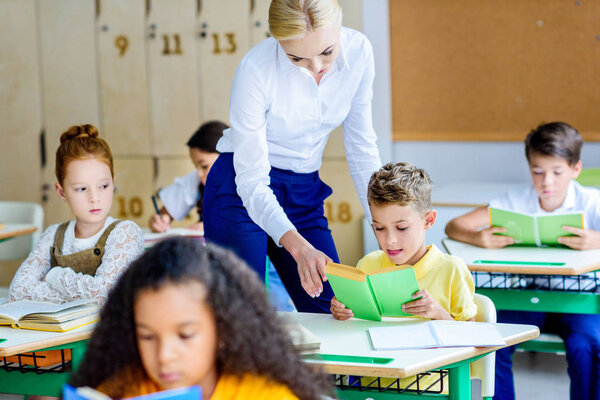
(372, 295)
(534, 230)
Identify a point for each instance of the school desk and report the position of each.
(517, 262)
(346, 350)
(24, 340)
(151, 238)
(11, 230)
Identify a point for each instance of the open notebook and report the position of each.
(432, 334)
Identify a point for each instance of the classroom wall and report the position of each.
(447, 162)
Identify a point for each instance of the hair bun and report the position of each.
(79, 131)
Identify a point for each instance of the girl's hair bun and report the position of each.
(79, 131)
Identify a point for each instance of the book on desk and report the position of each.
(376, 294)
(44, 316)
(434, 334)
(88, 393)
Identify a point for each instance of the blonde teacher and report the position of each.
(263, 195)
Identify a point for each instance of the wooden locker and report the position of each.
(20, 102)
(343, 211)
(69, 81)
(259, 21)
(335, 149)
(351, 14)
(133, 190)
(168, 170)
(173, 78)
(224, 27)
(123, 77)
(351, 18)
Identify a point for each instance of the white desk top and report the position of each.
(150, 238)
(11, 230)
(352, 338)
(535, 260)
(24, 340)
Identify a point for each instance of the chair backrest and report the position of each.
(484, 367)
(25, 213)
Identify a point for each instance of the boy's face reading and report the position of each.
(551, 177)
(400, 231)
(202, 161)
(177, 336)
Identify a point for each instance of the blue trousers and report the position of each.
(227, 223)
(581, 334)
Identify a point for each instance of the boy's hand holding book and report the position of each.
(339, 310)
(425, 306)
(488, 238)
(584, 239)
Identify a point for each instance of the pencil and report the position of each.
(155, 205)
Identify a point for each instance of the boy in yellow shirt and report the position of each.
(399, 196)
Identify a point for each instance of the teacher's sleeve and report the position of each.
(248, 116)
(360, 138)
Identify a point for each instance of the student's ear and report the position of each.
(430, 218)
(576, 169)
(59, 190)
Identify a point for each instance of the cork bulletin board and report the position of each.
(485, 70)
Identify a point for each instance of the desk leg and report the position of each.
(459, 378)
(77, 353)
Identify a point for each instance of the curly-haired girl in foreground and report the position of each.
(186, 314)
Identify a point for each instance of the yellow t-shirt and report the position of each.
(445, 277)
(449, 282)
(229, 387)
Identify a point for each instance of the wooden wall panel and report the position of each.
(133, 190)
(223, 42)
(174, 100)
(343, 211)
(351, 14)
(123, 76)
(259, 21)
(489, 70)
(69, 81)
(20, 102)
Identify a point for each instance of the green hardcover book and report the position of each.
(534, 230)
(374, 294)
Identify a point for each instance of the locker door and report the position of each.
(343, 211)
(223, 43)
(69, 81)
(123, 76)
(20, 102)
(168, 170)
(259, 21)
(174, 101)
(133, 188)
(351, 14)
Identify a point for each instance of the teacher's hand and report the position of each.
(311, 262)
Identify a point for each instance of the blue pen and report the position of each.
(155, 205)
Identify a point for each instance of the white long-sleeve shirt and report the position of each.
(280, 117)
(62, 284)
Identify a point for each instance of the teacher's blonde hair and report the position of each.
(291, 19)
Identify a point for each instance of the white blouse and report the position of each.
(280, 117)
(36, 281)
(180, 197)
